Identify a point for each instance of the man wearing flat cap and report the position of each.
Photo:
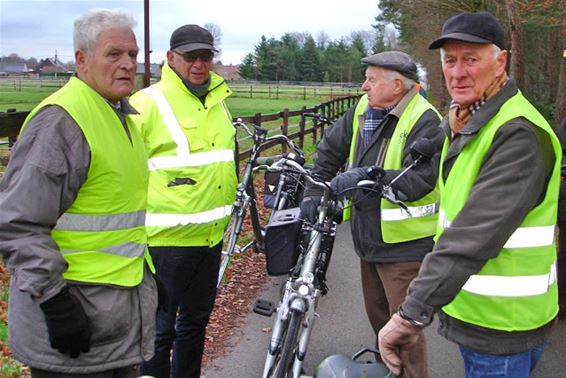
(491, 276)
(189, 138)
(374, 139)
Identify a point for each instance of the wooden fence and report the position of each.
(283, 122)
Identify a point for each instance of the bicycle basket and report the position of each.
(293, 186)
(281, 241)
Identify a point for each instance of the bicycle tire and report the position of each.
(229, 243)
(282, 366)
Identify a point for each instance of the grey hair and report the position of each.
(407, 83)
(91, 24)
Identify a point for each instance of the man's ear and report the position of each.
(80, 60)
(502, 58)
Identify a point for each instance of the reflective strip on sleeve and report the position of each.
(172, 220)
(170, 121)
(192, 160)
(127, 249)
(511, 286)
(106, 222)
(411, 212)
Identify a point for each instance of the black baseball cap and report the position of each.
(191, 37)
(478, 27)
(395, 61)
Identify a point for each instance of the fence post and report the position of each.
(285, 128)
(304, 93)
(302, 128)
(277, 92)
(257, 119)
(251, 91)
(269, 91)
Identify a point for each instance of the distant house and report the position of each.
(49, 66)
(229, 73)
(13, 68)
(154, 69)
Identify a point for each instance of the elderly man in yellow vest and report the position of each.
(72, 207)
(189, 137)
(378, 133)
(492, 274)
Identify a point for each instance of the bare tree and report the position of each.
(216, 32)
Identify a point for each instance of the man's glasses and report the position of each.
(192, 56)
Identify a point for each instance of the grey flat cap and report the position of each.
(395, 61)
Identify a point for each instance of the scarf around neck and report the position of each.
(459, 116)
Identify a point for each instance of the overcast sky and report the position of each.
(36, 28)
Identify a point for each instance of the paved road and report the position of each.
(343, 328)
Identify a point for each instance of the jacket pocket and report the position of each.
(109, 311)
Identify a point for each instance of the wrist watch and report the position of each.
(412, 321)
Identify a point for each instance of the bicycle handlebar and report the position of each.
(319, 117)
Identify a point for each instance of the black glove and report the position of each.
(162, 296)
(309, 208)
(67, 324)
(349, 179)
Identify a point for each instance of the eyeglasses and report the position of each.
(192, 56)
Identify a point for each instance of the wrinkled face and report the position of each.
(469, 69)
(110, 68)
(382, 88)
(193, 66)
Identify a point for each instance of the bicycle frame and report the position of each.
(246, 199)
(302, 289)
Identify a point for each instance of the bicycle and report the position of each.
(296, 310)
(246, 196)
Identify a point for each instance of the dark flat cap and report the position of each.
(480, 27)
(395, 61)
(191, 37)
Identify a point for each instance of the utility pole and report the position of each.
(147, 51)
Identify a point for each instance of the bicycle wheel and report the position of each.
(282, 368)
(229, 243)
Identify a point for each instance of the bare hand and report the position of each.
(394, 339)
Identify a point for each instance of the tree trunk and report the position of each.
(560, 112)
(517, 69)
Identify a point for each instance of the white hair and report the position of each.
(407, 83)
(91, 24)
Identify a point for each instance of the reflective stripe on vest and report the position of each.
(184, 158)
(411, 212)
(517, 286)
(82, 222)
(172, 220)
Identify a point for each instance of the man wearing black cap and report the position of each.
(491, 276)
(189, 138)
(378, 133)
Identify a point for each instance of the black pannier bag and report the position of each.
(281, 241)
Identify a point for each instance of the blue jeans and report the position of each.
(481, 365)
(189, 275)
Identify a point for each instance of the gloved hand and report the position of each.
(162, 296)
(67, 324)
(394, 339)
(309, 208)
(349, 179)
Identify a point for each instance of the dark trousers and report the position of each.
(125, 372)
(561, 267)
(189, 275)
(385, 287)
